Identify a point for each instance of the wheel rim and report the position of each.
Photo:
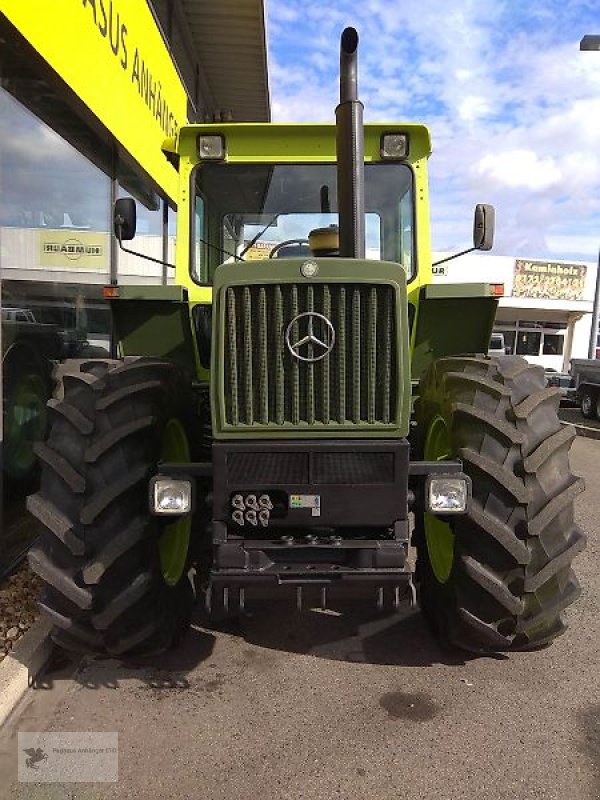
(25, 424)
(586, 404)
(438, 534)
(174, 542)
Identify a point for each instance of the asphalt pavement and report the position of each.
(350, 705)
(571, 415)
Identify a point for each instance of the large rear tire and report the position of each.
(116, 579)
(499, 577)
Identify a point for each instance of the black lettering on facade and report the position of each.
(124, 43)
(110, 26)
(158, 105)
(135, 72)
(144, 82)
(102, 26)
(115, 30)
(92, 3)
(151, 94)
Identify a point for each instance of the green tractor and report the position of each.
(291, 416)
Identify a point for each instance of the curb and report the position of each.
(20, 668)
(584, 430)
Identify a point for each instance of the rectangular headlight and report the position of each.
(447, 494)
(211, 147)
(394, 146)
(170, 496)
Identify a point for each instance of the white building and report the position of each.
(546, 312)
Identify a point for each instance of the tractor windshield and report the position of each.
(244, 212)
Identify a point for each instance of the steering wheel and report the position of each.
(278, 247)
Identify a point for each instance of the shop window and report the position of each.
(528, 343)
(54, 205)
(559, 326)
(509, 340)
(148, 241)
(172, 228)
(526, 323)
(54, 259)
(553, 344)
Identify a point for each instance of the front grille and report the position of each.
(276, 468)
(355, 384)
(247, 469)
(358, 468)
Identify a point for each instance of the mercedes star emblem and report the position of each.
(309, 269)
(318, 338)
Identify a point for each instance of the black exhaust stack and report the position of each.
(350, 147)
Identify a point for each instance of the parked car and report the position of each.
(586, 376)
(566, 384)
(497, 346)
(17, 315)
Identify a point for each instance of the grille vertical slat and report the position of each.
(387, 356)
(371, 354)
(325, 361)
(232, 394)
(341, 348)
(248, 358)
(295, 366)
(356, 356)
(279, 367)
(263, 344)
(265, 385)
(310, 372)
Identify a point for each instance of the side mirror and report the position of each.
(124, 218)
(483, 227)
(483, 232)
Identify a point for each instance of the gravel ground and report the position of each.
(18, 610)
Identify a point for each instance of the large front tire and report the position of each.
(116, 581)
(499, 577)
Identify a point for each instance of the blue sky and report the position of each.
(512, 104)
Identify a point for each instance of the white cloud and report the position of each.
(513, 106)
(473, 107)
(520, 169)
(582, 245)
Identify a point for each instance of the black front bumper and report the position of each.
(353, 541)
(339, 520)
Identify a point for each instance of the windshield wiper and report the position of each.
(220, 249)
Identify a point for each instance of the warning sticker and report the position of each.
(312, 501)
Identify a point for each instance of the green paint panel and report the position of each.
(450, 325)
(166, 293)
(442, 290)
(157, 328)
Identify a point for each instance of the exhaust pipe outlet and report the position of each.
(350, 149)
